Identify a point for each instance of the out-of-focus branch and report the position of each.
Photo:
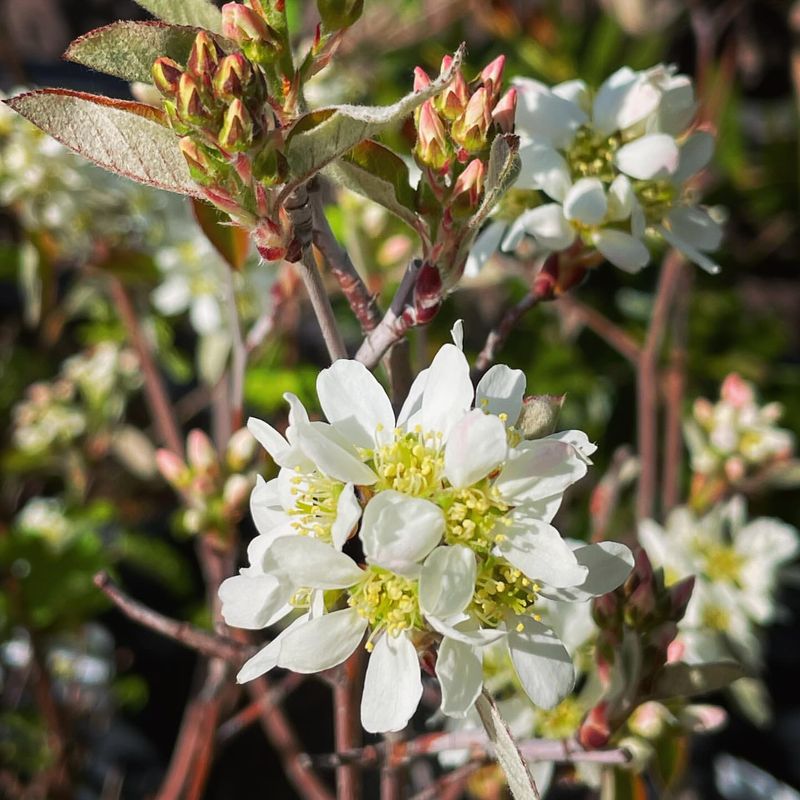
(575, 310)
(209, 644)
(498, 335)
(346, 683)
(647, 383)
(605, 496)
(155, 391)
(451, 785)
(238, 353)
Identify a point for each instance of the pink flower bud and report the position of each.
(200, 451)
(469, 185)
(505, 111)
(735, 469)
(470, 129)
(204, 57)
(492, 75)
(595, 731)
(171, 467)
(737, 391)
(454, 99)
(189, 103)
(166, 76)
(432, 149)
(235, 494)
(244, 26)
(236, 132)
(241, 449)
(421, 79)
(233, 74)
(703, 410)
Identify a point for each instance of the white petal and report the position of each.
(253, 601)
(265, 505)
(333, 455)
(576, 91)
(448, 391)
(457, 334)
(543, 167)
(544, 116)
(476, 446)
(260, 545)
(392, 685)
(348, 512)
(695, 154)
(652, 156)
(536, 548)
(459, 668)
(172, 296)
(267, 658)
(268, 437)
(297, 411)
(465, 629)
(677, 105)
(544, 509)
(355, 403)
(623, 100)
(620, 198)
(205, 315)
(690, 251)
(609, 564)
(539, 469)
(547, 223)
(621, 249)
(500, 391)
(578, 439)
(694, 225)
(398, 531)
(586, 202)
(485, 246)
(413, 403)
(541, 661)
(311, 562)
(323, 642)
(447, 581)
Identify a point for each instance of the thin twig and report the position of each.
(155, 391)
(498, 335)
(605, 496)
(209, 644)
(608, 331)
(347, 727)
(299, 210)
(451, 784)
(392, 774)
(647, 383)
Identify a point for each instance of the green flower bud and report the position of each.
(471, 128)
(190, 107)
(201, 167)
(236, 133)
(166, 75)
(233, 74)
(432, 149)
(204, 57)
(258, 40)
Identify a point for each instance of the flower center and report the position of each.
(387, 601)
(314, 509)
(472, 517)
(716, 618)
(592, 155)
(723, 563)
(657, 198)
(501, 589)
(562, 721)
(411, 463)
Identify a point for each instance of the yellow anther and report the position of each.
(520, 627)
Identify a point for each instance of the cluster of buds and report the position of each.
(736, 440)
(455, 132)
(641, 615)
(214, 491)
(230, 127)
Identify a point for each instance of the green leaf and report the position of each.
(201, 13)
(230, 241)
(506, 751)
(685, 680)
(128, 49)
(121, 136)
(375, 172)
(324, 135)
(503, 170)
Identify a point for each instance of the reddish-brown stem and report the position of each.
(605, 496)
(674, 385)
(347, 727)
(608, 331)
(647, 384)
(392, 773)
(209, 644)
(451, 785)
(155, 391)
(498, 335)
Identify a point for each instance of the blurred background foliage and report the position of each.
(91, 501)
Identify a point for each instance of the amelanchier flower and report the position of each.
(426, 533)
(737, 566)
(614, 164)
(736, 435)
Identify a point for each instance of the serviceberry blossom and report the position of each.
(736, 436)
(737, 567)
(426, 532)
(613, 165)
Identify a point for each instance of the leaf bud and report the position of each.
(237, 128)
(505, 111)
(233, 74)
(166, 75)
(432, 149)
(471, 128)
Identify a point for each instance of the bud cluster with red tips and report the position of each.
(643, 614)
(214, 491)
(231, 138)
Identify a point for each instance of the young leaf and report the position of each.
(374, 171)
(200, 13)
(327, 134)
(230, 241)
(686, 680)
(504, 166)
(120, 136)
(505, 749)
(128, 49)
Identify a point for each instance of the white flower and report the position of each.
(614, 164)
(452, 509)
(737, 568)
(736, 436)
